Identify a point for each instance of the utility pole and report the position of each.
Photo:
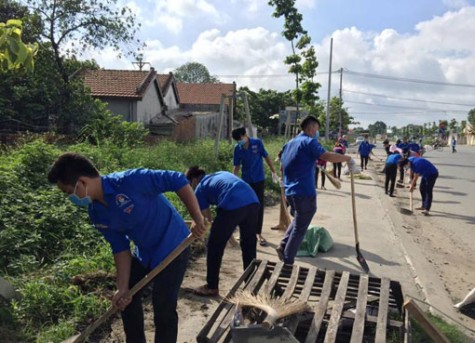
(341, 82)
(327, 122)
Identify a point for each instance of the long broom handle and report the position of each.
(137, 287)
(353, 205)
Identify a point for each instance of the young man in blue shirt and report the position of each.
(298, 165)
(429, 174)
(364, 150)
(236, 205)
(390, 169)
(127, 207)
(249, 153)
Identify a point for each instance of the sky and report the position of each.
(404, 62)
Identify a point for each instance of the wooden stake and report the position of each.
(421, 318)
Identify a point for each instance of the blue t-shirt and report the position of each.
(403, 145)
(225, 190)
(251, 160)
(365, 149)
(138, 211)
(422, 167)
(393, 158)
(298, 162)
(414, 147)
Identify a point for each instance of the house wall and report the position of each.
(125, 108)
(149, 106)
(207, 125)
(170, 99)
(202, 108)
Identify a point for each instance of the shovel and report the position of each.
(137, 287)
(359, 256)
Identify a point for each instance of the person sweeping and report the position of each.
(429, 174)
(126, 207)
(237, 205)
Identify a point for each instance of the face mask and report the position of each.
(241, 143)
(83, 202)
(316, 135)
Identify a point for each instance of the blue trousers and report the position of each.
(303, 209)
(221, 230)
(426, 187)
(164, 298)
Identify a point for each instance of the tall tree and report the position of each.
(263, 105)
(194, 72)
(378, 127)
(336, 109)
(302, 62)
(84, 24)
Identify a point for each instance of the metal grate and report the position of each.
(345, 307)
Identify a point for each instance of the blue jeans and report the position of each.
(221, 230)
(164, 298)
(426, 187)
(303, 209)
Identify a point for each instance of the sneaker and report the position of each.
(426, 213)
(280, 253)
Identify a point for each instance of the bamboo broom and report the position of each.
(284, 217)
(275, 308)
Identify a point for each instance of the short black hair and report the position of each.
(194, 172)
(69, 167)
(238, 133)
(309, 120)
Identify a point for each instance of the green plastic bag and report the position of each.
(316, 239)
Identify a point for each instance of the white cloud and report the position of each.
(439, 50)
(456, 3)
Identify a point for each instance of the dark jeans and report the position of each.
(364, 161)
(303, 209)
(401, 174)
(164, 298)
(316, 178)
(337, 170)
(259, 187)
(391, 173)
(426, 187)
(222, 229)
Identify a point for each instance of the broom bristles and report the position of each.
(273, 307)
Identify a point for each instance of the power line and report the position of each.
(408, 99)
(404, 79)
(404, 107)
(255, 76)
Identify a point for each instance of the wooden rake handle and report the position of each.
(137, 287)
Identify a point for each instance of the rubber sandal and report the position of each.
(420, 208)
(204, 291)
(262, 242)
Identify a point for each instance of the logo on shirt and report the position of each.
(122, 200)
(129, 209)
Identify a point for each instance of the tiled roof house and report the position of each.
(136, 95)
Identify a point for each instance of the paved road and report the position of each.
(440, 248)
(454, 204)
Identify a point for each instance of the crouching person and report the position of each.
(127, 207)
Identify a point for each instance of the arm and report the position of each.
(270, 164)
(236, 170)
(334, 157)
(123, 261)
(188, 198)
(414, 182)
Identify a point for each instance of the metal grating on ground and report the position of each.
(344, 307)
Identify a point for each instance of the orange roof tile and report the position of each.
(203, 93)
(117, 83)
